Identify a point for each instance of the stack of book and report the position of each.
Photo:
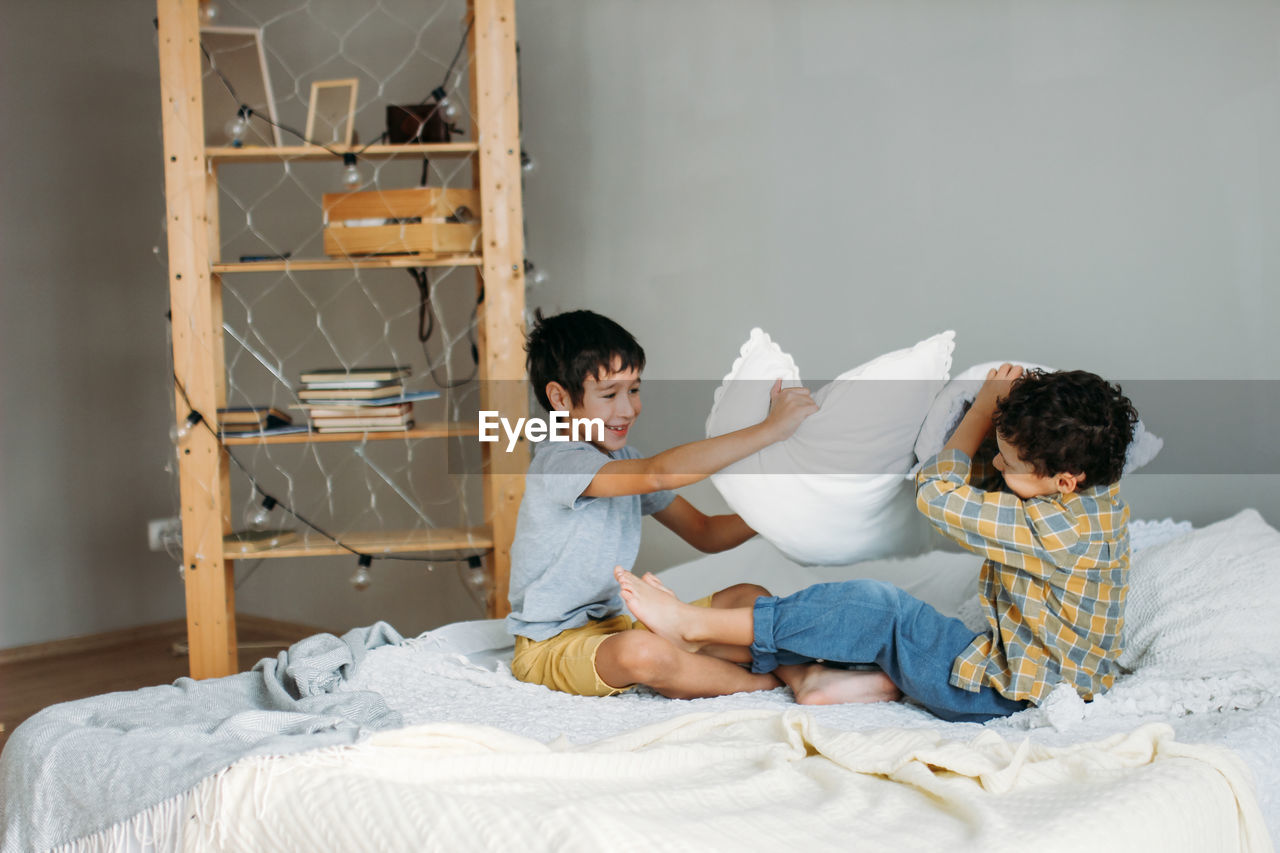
(368, 399)
(251, 420)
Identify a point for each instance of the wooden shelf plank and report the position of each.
(425, 429)
(375, 262)
(275, 154)
(375, 542)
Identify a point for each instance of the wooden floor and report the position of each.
(27, 686)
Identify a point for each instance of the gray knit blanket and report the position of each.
(79, 767)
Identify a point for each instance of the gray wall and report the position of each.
(1090, 185)
(85, 394)
(83, 410)
(1083, 184)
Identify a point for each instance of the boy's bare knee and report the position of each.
(636, 656)
(738, 595)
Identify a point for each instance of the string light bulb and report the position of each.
(237, 127)
(208, 13)
(528, 165)
(447, 108)
(258, 516)
(351, 177)
(361, 578)
(476, 576)
(534, 276)
(180, 431)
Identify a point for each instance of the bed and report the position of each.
(371, 741)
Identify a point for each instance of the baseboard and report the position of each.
(93, 642)
(266, 625)
(173, 629)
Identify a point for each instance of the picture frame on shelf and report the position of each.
(331, 115)
(236, 53)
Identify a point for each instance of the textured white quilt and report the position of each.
(490, 763)
(745, 780)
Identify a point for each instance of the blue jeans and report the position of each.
(869, 622)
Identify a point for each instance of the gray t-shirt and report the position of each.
(566, 545)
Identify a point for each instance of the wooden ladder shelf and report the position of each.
(195, 281)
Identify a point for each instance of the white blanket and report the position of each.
(745, 780)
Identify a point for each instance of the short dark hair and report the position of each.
(572, 347)
(1070, 421)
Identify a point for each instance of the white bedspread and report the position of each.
(745, 780)
(1166, 760)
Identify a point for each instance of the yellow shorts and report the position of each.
(567, 661)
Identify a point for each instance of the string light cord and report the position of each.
(243, 113)
(449, 71)
(195, 418)
(427, 325)
(426, 315)
(246, 112)
(447, 383)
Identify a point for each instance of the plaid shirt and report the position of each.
(1053, 584)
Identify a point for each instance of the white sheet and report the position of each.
(457, 677)
(743, 780)
(459, 673)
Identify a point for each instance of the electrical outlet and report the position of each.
(161, 531)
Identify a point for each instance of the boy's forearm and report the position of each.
(693, 462)
(972, 431)
(723, 532)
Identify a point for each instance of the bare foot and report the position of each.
(652, 580)
(657, 607)
(815, 684)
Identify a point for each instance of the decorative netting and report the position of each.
(353, 78)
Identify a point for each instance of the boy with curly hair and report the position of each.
(1052, 527)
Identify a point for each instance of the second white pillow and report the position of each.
(834, 493)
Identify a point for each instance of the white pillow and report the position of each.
(834, 493)
(953, 400)
(1206, 602)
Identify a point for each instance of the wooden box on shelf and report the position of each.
(419, 221)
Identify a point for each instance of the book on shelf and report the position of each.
(253, 416)
(246, 421)
(358, 411)
(251, 541)
(356, 374)
(265, 432)
(354, 384)
(377, 392)
(402, 397)
(401, 421)
(366, 428)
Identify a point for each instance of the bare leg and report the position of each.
(815, 684)
(691, 629)
(641, 657)
(688, 628)
(738, 595)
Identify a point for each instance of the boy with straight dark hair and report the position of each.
(581, 516)
(1055, 538)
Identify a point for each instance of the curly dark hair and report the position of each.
(1071, 421)
(572, 347)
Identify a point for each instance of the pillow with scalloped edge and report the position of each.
(954, 399)
(834, 492)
